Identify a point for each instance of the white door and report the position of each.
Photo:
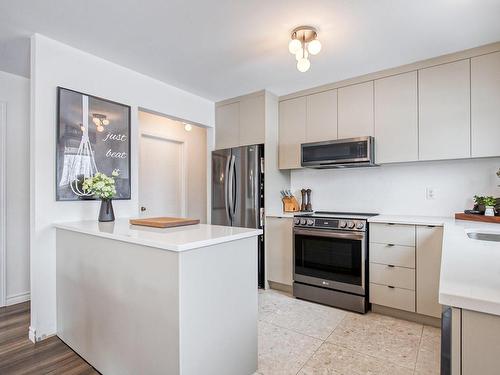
(161, 177)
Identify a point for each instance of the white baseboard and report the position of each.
(17, 298)
(32, 335)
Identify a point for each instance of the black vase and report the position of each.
(106, 212)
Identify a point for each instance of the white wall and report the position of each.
(196, 154)
(401, 188)
(55, 64)
(14, 90)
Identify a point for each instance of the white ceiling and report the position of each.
(223, 48)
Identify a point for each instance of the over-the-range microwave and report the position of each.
(340, 153)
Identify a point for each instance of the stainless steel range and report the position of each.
(331, 259)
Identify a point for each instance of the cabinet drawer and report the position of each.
(397, 298)
(397, 234)
(397, 255)
(394, 276)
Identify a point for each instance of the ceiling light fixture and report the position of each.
(187, 127)
(304, 42)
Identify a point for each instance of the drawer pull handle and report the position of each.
(390, 223)
(390, 244)
(390, 265)
(390, 286)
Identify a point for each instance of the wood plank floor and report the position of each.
(18, 355)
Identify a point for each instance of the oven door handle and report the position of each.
(330, 234)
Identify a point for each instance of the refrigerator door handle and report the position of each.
(226, 189)
(231, 186)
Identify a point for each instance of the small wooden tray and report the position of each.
(476, 217)
(164, 222)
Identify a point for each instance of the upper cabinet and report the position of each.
(321, 121)
(485, 105)
(396, 118)
(355, 110)
(241, 122)
(252, 120)
(292, 131)
(443, 108)
(444, 111)
(227, 125)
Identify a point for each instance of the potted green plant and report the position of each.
(479, 204)
(103, 187)
(489, 203)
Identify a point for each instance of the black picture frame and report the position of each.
(69, 134)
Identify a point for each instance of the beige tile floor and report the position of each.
(299, 337)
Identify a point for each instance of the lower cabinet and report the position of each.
(397, 298)
(480, 343)
(279, 249)
(405, 262)
(471, 344)
(429, 244)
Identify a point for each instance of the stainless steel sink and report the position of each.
(484, 236)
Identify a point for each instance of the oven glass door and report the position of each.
(332, 259)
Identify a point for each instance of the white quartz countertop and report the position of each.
(412, 220)
(174, 239)
(470, 269)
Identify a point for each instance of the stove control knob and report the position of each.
(296, 221)
(350, 224)
(302, 221)
(360, 225)
(310, 222)
(343, 224)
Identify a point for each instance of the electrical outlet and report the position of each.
(430, 193)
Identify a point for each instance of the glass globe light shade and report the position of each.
(294, 45)
(303, 65)
(96, 120)
(301, 53)
(314, 46)
(100, 128)
(105, 121)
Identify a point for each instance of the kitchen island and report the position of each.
(138, 300)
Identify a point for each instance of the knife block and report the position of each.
(290, 204)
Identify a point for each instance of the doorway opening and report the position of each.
(172, 168)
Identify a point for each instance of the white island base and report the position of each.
(128, 308)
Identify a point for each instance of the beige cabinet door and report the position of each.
(429, 244)
(396, 121)
(480, 343)
(292, 132)
(485, 105)
(279, 251)
(355, 106)
(252, 120)
(444, 111)
(322, 116)
(227, 125)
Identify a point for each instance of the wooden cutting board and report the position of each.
(164, 222)
(474, 217)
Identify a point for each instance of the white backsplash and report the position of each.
(400, 189)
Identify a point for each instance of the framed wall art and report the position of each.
(93, 135)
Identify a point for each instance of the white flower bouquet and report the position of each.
(100, 185)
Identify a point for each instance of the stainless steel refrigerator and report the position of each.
(238, 192)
